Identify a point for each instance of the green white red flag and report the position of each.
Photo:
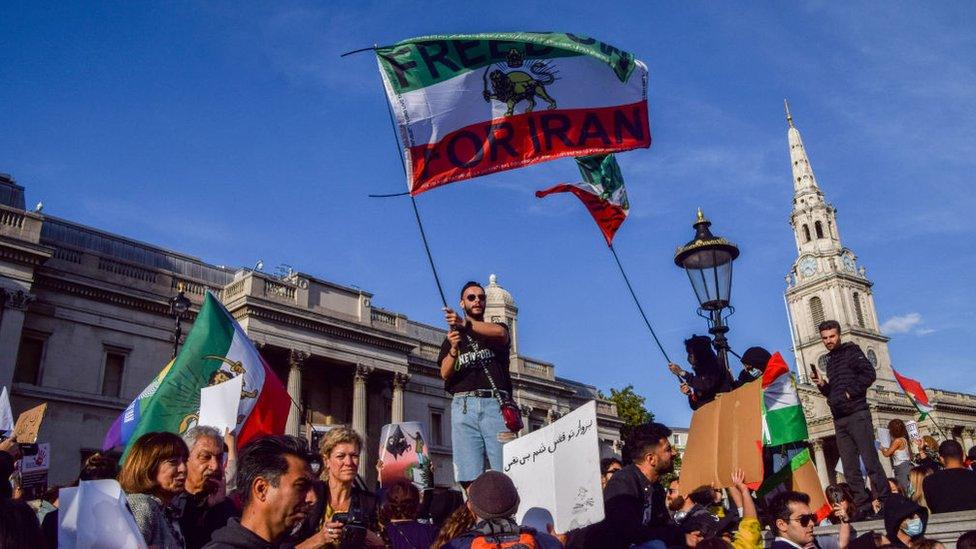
(216, 349)
(798, 475)
(602, 192)
(915, 393)
(470, 105)
(782, 413)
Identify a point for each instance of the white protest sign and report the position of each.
(6, 414)
(884, 437)
(219, 404)
(557, 468)
(912, 427)
(95, 515)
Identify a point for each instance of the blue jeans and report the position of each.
(476, 423)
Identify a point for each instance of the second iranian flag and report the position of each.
(469, 105)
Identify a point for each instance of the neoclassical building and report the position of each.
(827, 282)
(85, 324)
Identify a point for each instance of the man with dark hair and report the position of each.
(474, 365)
(275, 482)
(634, 500)
(204, 509)
(967, 540)
(790, 520)
(954, 487)
(849, 376)
(608, 466)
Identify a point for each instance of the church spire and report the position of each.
(804, 181)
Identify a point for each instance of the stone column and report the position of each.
(967, 440)
(359, 413)
(399, 382)
(526, 415)
(14, 305)
(296, 361)
(821, 461)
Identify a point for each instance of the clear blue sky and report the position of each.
(233, 131)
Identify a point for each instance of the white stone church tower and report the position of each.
(826, 281)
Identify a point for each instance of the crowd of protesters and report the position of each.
(179, 495)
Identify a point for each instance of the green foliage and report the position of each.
(630, 406)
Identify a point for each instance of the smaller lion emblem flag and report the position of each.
(915, 393)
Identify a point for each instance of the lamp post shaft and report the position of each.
(179, 335)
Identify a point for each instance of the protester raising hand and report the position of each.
(748, 536)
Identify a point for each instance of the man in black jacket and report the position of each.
(634, 500)
(850, 375)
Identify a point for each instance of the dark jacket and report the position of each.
(199, 521)
(707, 383)
(236, 536)
(363, 504)
(898, 508)
(6, 469)
(851, 375)
(636, 512)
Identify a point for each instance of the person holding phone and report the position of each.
(849, 376)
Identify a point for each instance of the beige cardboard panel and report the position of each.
(29, 424)
(725, 434)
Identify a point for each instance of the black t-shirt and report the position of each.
(469, 375)
(950, 490)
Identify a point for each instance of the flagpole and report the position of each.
(637, 302)
(413, 202)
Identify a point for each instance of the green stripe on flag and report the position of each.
(420, 62)
(781, 476)
(178, 397)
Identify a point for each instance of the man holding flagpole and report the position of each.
(474, 365)
(849, 376)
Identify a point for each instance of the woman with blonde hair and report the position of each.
(915, 478)
(344, 513)
(153, 474)
(900, 452)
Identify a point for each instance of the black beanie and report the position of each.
(493, 495)
(756, 357)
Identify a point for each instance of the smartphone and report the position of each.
(813, 372)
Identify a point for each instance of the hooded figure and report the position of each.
(710, 377)
(898, 508)
(754, 362)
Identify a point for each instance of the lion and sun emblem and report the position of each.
(515, 86)
(228, 370)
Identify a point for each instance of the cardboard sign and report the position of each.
(95, 515)
(219, 404)
(557, 469)
(405, 455)
(725, 434)
(28, 424)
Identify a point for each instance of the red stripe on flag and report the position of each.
(607, 215)
(913, 388)
(774, 368)
(270, 412)
(528, 138)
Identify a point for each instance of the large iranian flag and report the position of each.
(783, 420)
(216, 350)
(470, 105)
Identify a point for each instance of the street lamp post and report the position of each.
(178, 306)
(708, 261)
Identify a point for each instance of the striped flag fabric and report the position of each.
(782, 413)
(799, 475)
(216, 349)
(915, 393)
(473, 104)
(602, 192)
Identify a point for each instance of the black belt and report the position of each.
(480, 393)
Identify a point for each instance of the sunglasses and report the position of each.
(475, 297)
(805, 520)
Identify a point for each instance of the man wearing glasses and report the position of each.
(474, 364)
(792, 520)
